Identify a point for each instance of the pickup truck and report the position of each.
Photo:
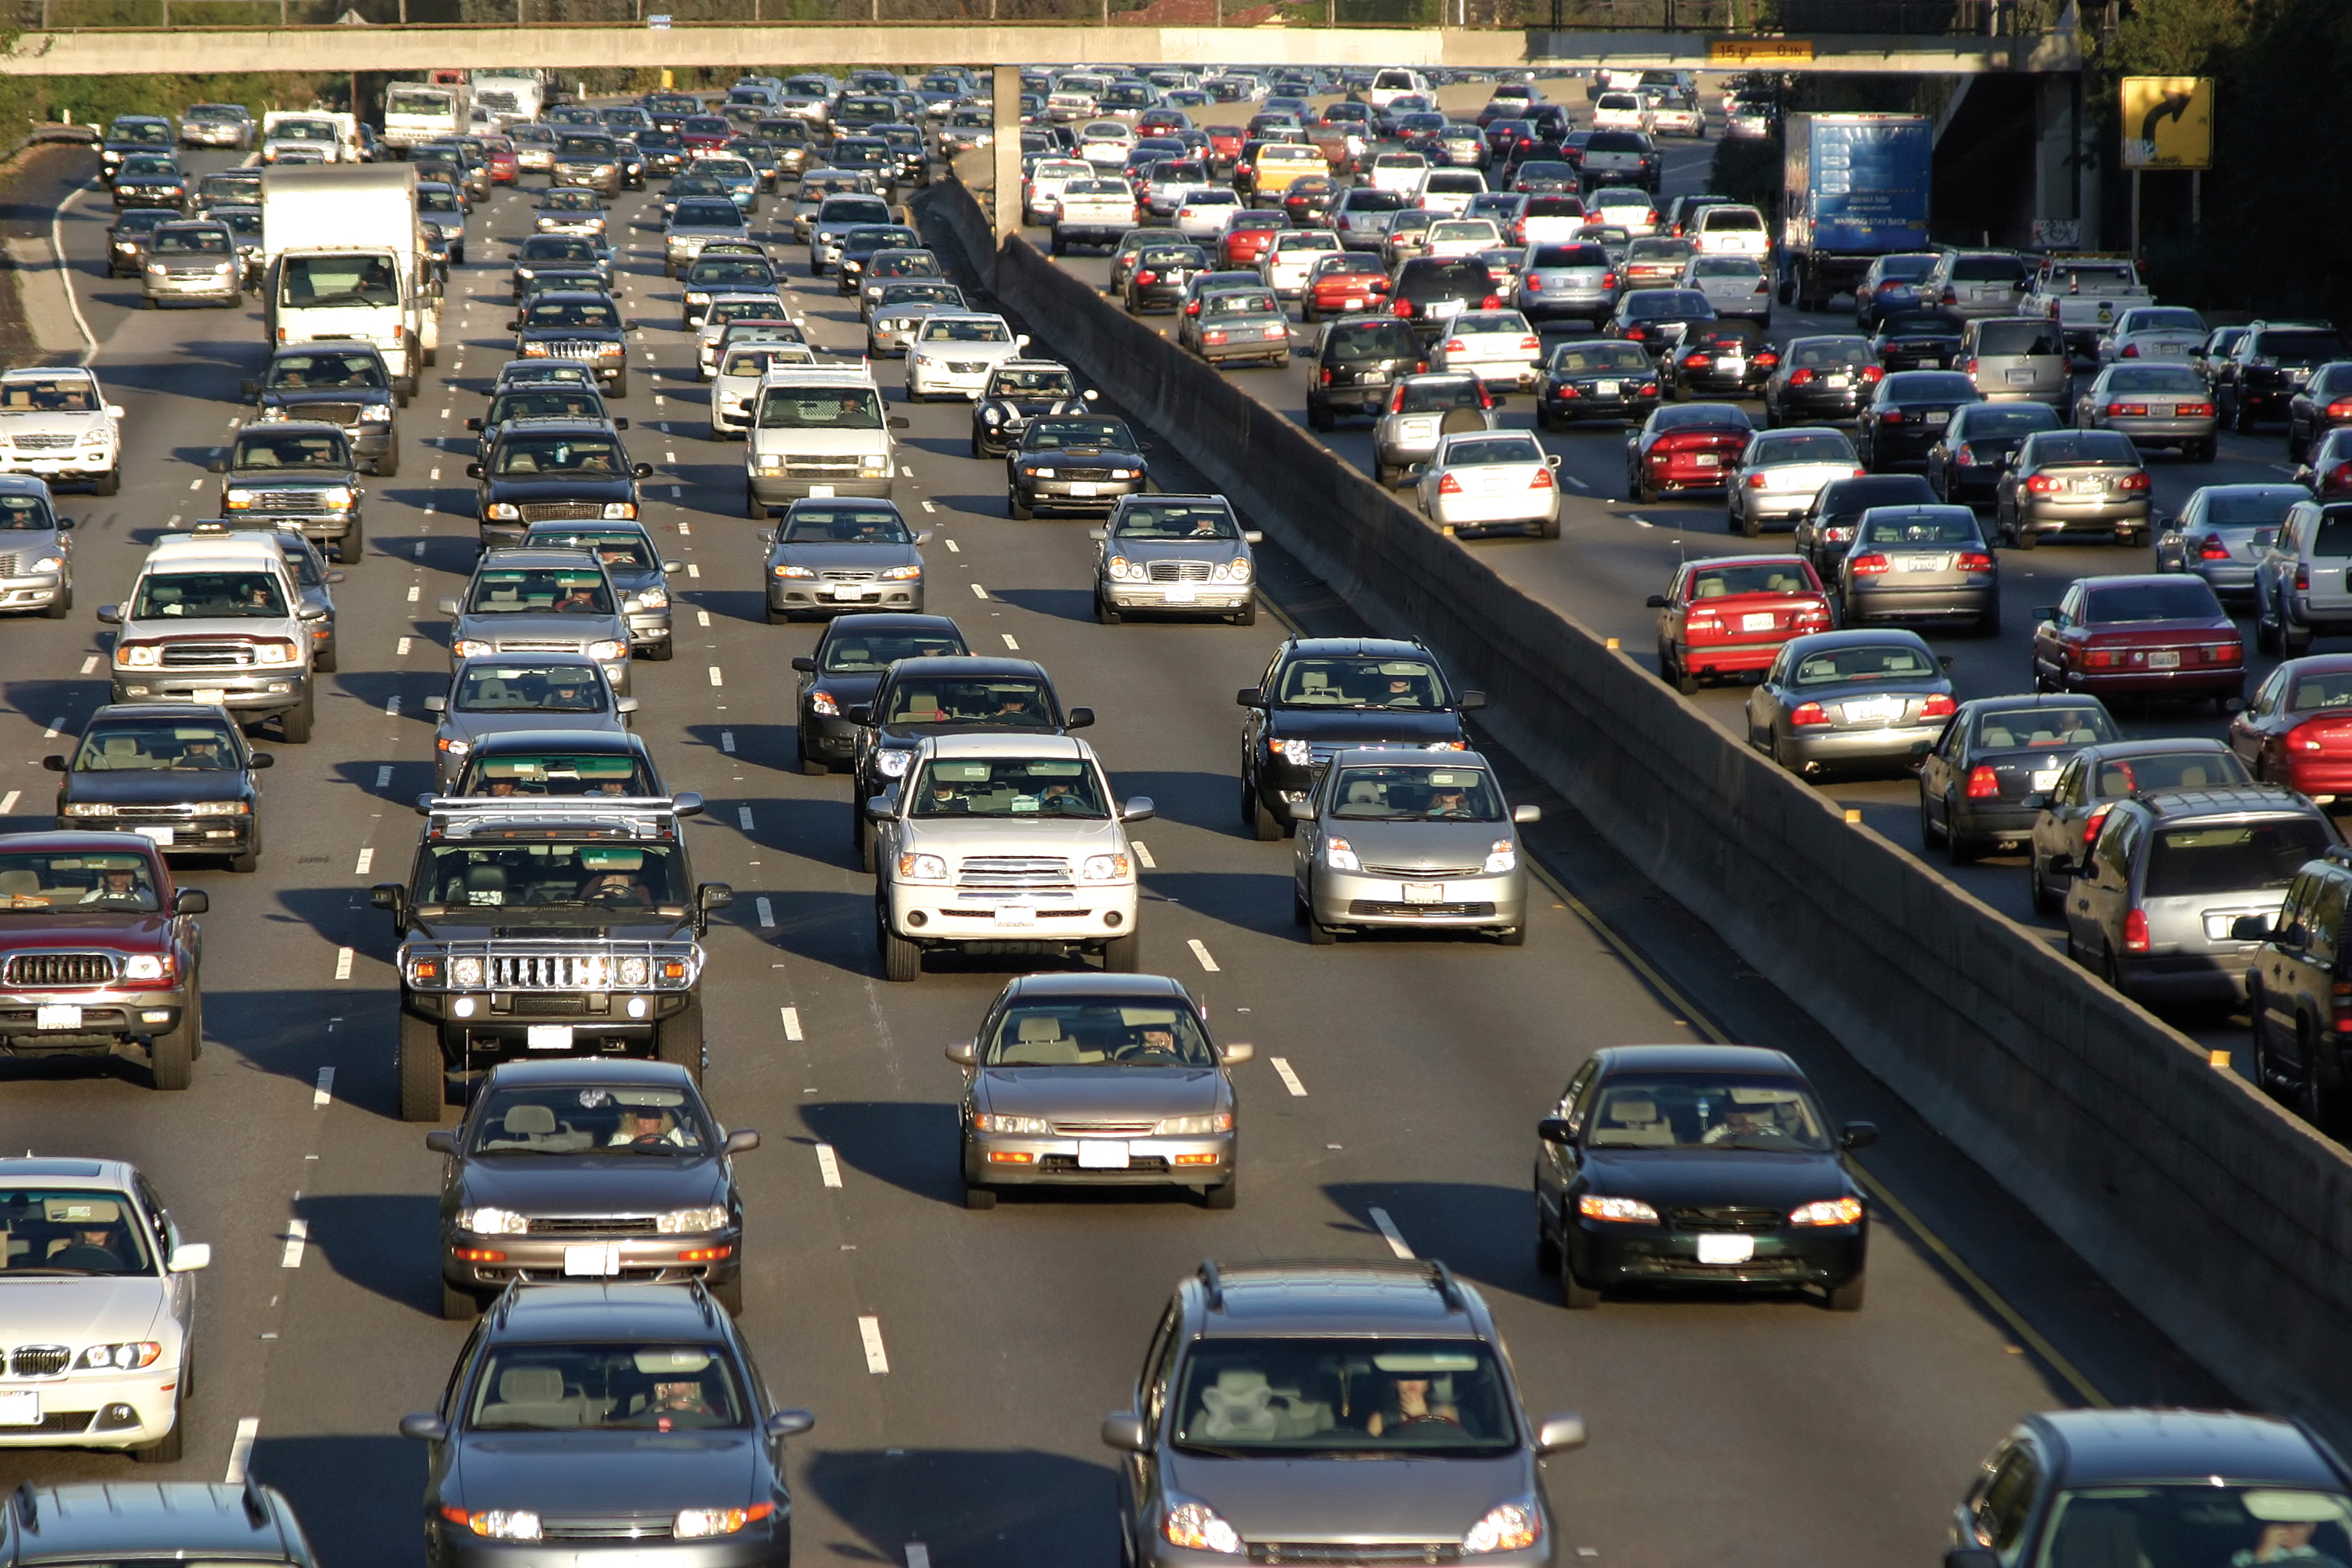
(1621, 158)
(1093, 211)
(2085, 295)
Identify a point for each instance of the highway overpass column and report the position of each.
(1006, 106)
(2065, 176)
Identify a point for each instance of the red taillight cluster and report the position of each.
(1447, 485)
(1939, 706)
(1871, 566)
(2044, 484)
(2192, 411)
(2091, 823)
(2131, 351)
(1973, 561)
(2125, 410)
(1698, 361)
(2140, 482)
(1146, 278)
(1800, 378)
(2210, 548)
(1984, 783)
(1400, 307)
(2340, 409)
(1873, 373)
(1807, 715)
(2136, 930)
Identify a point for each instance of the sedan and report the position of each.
(1821, 380)
(2155, 406)
(2153, 331)
(1156, 281)
(1384, 843)
(1497, 347)
(2150, 636)
(1492, 479)
(1712, 1167)
(2320, 404)
(1566, 280)
(495, 694)
(637, 573)
(2088, 787)
(1828, 526)
(1097, 1080)
(1920, 562)
(2297, 729)
(2073, 481)
(1243, 241)
(1916, 342)
(1204, 213)
(1729, 359)
(1891, 289)
(1659, 319)
(1018, 391)
(178, 774)
(900, 308)
(1597, 378)
(952, 354)
(1780, 472)
(1348, 283)
(1072, 463)
(1978, 784)
(1692, 446)
(1731, 615)
(2327, 466)
(1964, 466)
(1422, 411)
(831, 555)
(2222, 531)
(1242, 324)
(1737, 286)
(1184, 553)
(549, 1151)
(570, 210)
(1907, 416)
(1851, 700)
(852, 657)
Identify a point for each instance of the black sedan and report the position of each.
(179, 772)
(576, 325)
(858, 247)
(1018, 391)
(554, 470)
(1698, 1166)
(1659, 319)
(851, 657)
(150, 180)
(1916, 342)
(1720, 359)
(1964, 464)
(1157, 280)
(1820, 381)
(1321, 696)
(543, 250)
(1908, 416)
(1066, 463)
(344, 383)
(1596, 378)
(1978, 787)
(1828, 525)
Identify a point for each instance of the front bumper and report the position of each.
(640, 1259)
(1130, 596)
(932, 378)
(1605, 1255)
(260, 694)
(213, 834)
(31, 593)
(500, 1023)
(767, 1544)
(97, 1410)
(110, 1014)
(649, 628)
(781, 489)
(1486, 901)
(805, 594)
(88, 462)
(1063, 495)
(1001, 1159)
(310, 524)
(828, 735)
(940, 914)
(193, 285)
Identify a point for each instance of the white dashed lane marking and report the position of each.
(383, 776)
(420, 555)
(726, 741)
(828, 1166)
(1289, 1078)
(743, 818)
(89, 664)
(702, 617)
(324, 1095)
(8, 800)
(1008, 642)
(298, 1234)
(391, 706)
(716, 680)
(978, 591)
(953, 548)
(918, 1555)
(1388, 1232)
(415, 591)
(401, 647)
(1143, 852)
(767, 912)
(366, 862)
(51, 732)
(695, 571)
(240, 1449)
(342, 963)
(1200, 950)
(877, 1360)
(792, 1022)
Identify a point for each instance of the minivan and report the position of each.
(2303, 583)
(2015, 359)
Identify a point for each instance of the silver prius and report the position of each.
(1859, 699)
(1184, 553)
(1097, 1080)
(490, 695)
(1390, 839)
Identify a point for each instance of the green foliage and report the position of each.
(2182, 38)
(1747, 171)
(26, 101)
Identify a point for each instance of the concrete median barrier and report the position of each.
(2226, 1220)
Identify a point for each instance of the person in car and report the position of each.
(577, 599)
(117, 885)
(646, 1127)
(93, 1249)
(1409, 1403)
(614, 888)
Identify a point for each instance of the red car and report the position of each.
(1686, 447)
(1347, 284)
(505, 167)
(706, 133)
(1246, 237)
(2152, 635)
(1729, 615)
(1225, 143)
(2327, 467)
(2298, 730)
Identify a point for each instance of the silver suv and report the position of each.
(2154, 905)
(2016, 359)
(2303, 581)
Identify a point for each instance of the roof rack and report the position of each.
(1210, 1279)
(1431, 1271)
(257, 1502)
(638, 817)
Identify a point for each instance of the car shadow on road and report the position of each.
(993, 1508)
(385, 1242)
(1482, 1232)
(1060, 603)
(59, 703)
(832, 928)
(356, 1496)
(909, 1144)
(1256, 901)
(1205, 800)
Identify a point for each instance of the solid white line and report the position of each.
(743, 818)
(57, 255)
(726, 741)
(8, 800)
(89, 664)
(1289, 1078)
(828, 1167)
(240, 1449)
(953, 548)
(324, 1095)
(391, 706)
(876, 1359)
(415, 590)
(297, 1232)
(1008, 642)
(1143, 852)
(715, 678)
(401, 647)
(383, 776)
(367, 862)
(767, 910)
(978, 591)
(342, 963)
(792, 1023)
(1387, 1228)
(1200, 950)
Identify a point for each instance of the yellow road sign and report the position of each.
(1759, 51)
(2167, 121)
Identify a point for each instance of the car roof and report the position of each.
(2022, 702)
(1354, 647)
(980, 667)
(553, 425)
(50, 1170)
(154, 710)
(1698, 1058)
(1338, 1296)
(604, 1311)
(52, 371)
(1859, 636)
(868, 623)
(1007, 743)
(2091, 1447)
(23, 484)
(151, 1519)
(1083, 984)
(2227, 799)
(2124, 750)
(592, 1069)
(299, 426)
(499, 743)
(523, 555)
(1706, 563)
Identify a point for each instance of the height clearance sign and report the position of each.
(2167, 121)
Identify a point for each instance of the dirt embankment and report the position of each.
(32, 185)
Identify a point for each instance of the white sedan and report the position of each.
(1498, 347)
(1454, 237)
(1492, 479)
(953, 352)
(1205, 213)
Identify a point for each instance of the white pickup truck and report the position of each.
(1095, 211)
(2085, 294)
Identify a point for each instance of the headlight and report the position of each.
(788, 570)
(1621, 1211)
(1196, 1526)
(466, 973)
(821, 701)
(1124, 474)
(156, 268)
(870, 467)
(922, 867)
(698, 298)
(120, 1357)
(455, 748)
(235, 500)
(1121, 569)
(1041, 473)
(1828, 1211)
(1503, 856)
(925, 359)
(471, 647)
(634, 972)
(49, 564)
(692, 1222)
(693, 1524)
(993, 414)
(901, 574)
(1195, 1126)
(1036, 1126)
(220, 808)
(893, 763)
(376, 414)
(620, 510)
(504, 1524)
(492, 1222)
(147, 966)
(504, 511)
(277, 654)
(1297, 753)
(1103, 868)
(1340, 855)
(1507, 1526)
(654, 599)
(534, 351)
(526, 272)
(606, 648)
(89, 808)
(274, 412)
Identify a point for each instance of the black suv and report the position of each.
(2270, 362)
(851, 659)
(178, 772)
(338, 383)
(1356, 362)
(564, 470)
(1324, 695)
(577, 324)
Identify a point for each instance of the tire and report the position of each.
(1262, 824)
(174, 1443)
(459, 1305)
(975, 446)
(811, 767)
(295, 722)
(388, 465)
(1247, 615)
(424, 1085)
(111, 482)
(2298, 448)
(657, 653)
(245, 864)
(679, 1040)
(753, 505)
(1958, 848)
(1515, 936)
(976, 1197)
(351, 545)
(1018, 512)
(1384, 475)
(1104, 612)
(57, 609)
(1547, 1245)
(172, 1058)
(1123, 954)
(2024, 538)
(1320, 419)
(1686, 681)
(325, 662)
(1989, 623)
(901, 959)
(1318, 934)
(2265, 630)
(1646, 492)
(1574, 1293)
(2045, 902)
(2266, 1071)
(621, 386)
(1847, 1297)
(729, 1294)
(1747, 524)
(865, 837)
(1222, 1197)
(2295, 641)
(2205, 449)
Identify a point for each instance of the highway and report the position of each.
(959, 1362)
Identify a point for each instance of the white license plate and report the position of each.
(1101, 1155)
(1424, 892)
(841, 593)
(1183, 594)
(1838, 381)
(20, 1409)
(2164, 658)
(1717, 1248)
(1708, 460)
(2089, 487)
(598, 1261)
(1351, 305)
(1016, 914)
(1937, 416)
(1761, 621)
(1605, 389)
(213, 694)
(2046, 779)
(548, 1037)
(62, 1016)
(1921, 562)
(2019, 377)
(162, 835)
(1081, 487)
(1733, 363)
(1874, 710)
(819, 492)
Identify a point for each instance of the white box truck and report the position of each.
(344, 256)
(511, 97)
(334, 137)
(416, 113)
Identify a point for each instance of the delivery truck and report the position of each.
(344, 256)
(416, 113)
(1855, 188)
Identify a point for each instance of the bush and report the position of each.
(1747, 171)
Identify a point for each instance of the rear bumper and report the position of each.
(1725, 659)
(1892, 743)
(1920, 603)
(2209, 680)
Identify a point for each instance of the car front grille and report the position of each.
(60, 969)
(562, 511)
(585, 348)
(1423, 873)
(291, 501)
(592, 1225)
(1106, 1129)
(57, 1423)
(846, 576)
(1722, 1216)
(1178, 570)
(539, 645)
(967, 368)
(549, 1004)
(1145, 1163)
(42, 441)
(982, 872)
(1081, 473)
(207, 655)
(1385, 1551)
(549, 971)
(332, 413)
(38, 1361)
(608, 1527)
(823, 468)
(7, 565)
(1370, 908)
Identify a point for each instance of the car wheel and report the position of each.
(2265, 629)
(1261, 823)
(459, 1305)
(901, 959)
(1547, 1243)
(679, 1040)
(1317, 933)
(353, 546)
(2298, 448)
(2045, 902)
(1574, 1293)
(111, 482)
(295, 722)
(1321, 419)
(1846, 1297)
(729, 1294)
(1105, 611)
(2205, 449)
(1989, 623)
(1247, 614)
(1223, 1196)
(1013, 505)
(174, 1443)
(2295, 641)
(424, 1084)
(61, 605)
(1123, 954)
(1958, 847)
(1646, 492)
(976, 1197)
(812, 766)
(1384, 475)
(2241, 417)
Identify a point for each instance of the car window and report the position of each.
(1402, 683)
(1434, 395)
(604, 1120)
(157, 746)
(290, 449)
(1405, 792)
(523, 591)
(32, 881)
(1701, 1111)
(543, 874)
(584, 454)
(25, 513)
(1491, 449)
(1107, 1032)
(2168, 770)
(559, 774)
(91, 1231)
(2116, 603)
(820, 408)
(605, 1386)
(1806, 446)
(844, 525)
(1996, 419)
(1919, 528)
(209, 595)
(312, 370)
(520, 688)
(2085, 447)
(1912, 385)
(1895, 661)
(2006, 729)
(1009, 786)
(1343, 1396)
(2229, 858)
(2173, 378)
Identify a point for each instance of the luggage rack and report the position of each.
(633, 816)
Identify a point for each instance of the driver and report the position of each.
(614, 888)
(577, 599)
(200, 756)
(115, 884)
(1446, 801)
(1150, 1042)
(673, 1402)
(1409, 1403)
(1743, 1121)
(645, 1127)
(91, 1249)
(2284, 1540)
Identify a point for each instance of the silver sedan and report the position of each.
(1388, 840)
(1423, 410)
(2155, 406)
(1862, 699)
(1182, 553)
(499, 693)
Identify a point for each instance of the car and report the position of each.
(697, 222)
(300, 474)
(1019, 391)
(1995, 755)
(1781, 471)
(1235, 1444)
(1566, 279)
(1428, 291)
(36, 550)
(2155, 406)
(1599, 378)
(1084, 463)
(2320, 404)
(552, 1167)
(1890, 287)
(1819, 380)
(1405, 236)
(1906, 415)
(2065, 482)
(761, 317)
(1730, 615)
(1361, 215)
(1964, 466)
(491, 695)
(519, 1451)
(244, 225)
(1683, 447)
(1659, 320)
(578, 325)
(1290, 256)
(570, 210)
(953, 353)
(2268, 363)
(833, 554)
(861, 244)
(1187, 554)
(532, 600)
(591, 761)
(1491, 479)
(1927, 341)
(1652, 261)
(1499, 349)
(544, 252)
(1357, 361)
(339, 382)
(151, 180)
(58, 424)
(894, 265)
(723, 275)
(226, 125)
(543, 470)
(1344, 283)
(1967, 284)
(637, 571)
(2290, 731)
(2090, 784)
(1239, 324)
(179, 774)
(107, 1521)
(2327, 467)
(193, 258)
(1388, 842)
(2161, 332)
(2061, 1484)
(854, 656)
(1203, 215)
(128, 235)
(1421, 410)
(1856, 699)
(2223, 532)
(552, 371)
(1737, 286)
(900, 308)
(233, 595)
(2155, 899)
(2153, 636)
(572, 398)
(1453, 238)
(1828, 525)
(1322, 696)
(1920, 562)
(1720, 358)
(1097, 1080)
(2212, 355)
(2016, 359)
(940, 692)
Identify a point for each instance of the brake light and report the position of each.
(1401, 307)
(1542, 481)
(1491, 302)
(2136, 930)
(1888, 284)
(2131, 351)
(1939, 706)
(1147, 277)
(1447, 485)
(1327, 375)
(2340, 409)
(2091, 823)
(1984, 783)
(1871, 566)
(2140, 482)
(1637, 334)
(1698, 361)
(2342, 994)
(1530, 344)
(1800, 378)
(1756, 481)
(1456, 346)
(1763, 286)
(1566, 389)
(1970, 366)
(1963, 458)
(1871, 372)
(2192, 411)
(2301, 578)
(2042, 484)
(1534, 284)
(1892, 417)
(2100, 659)
(1609, 280)
(1951, 295)
(1974, 561)
(2117, 410)
(2210, 548)
(1649, 389)
(1193, 308)
(1807, 715)
(1484, 401)
(1767, 358)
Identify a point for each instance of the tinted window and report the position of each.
(2188, 861)
(1345, 1397)
(1008, 786)
(1929, 386)
(2008, 729)
(2187, 599)
(1373, 340)
(1987, 268)
(610, 1387)
(2298, 348)
(865, 652)
(1894, 661)
(2089, 446)
(2006, 419)
(507, 687)
(2015, 338)
(2267, 504)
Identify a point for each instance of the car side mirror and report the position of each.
(448, 607)
(742, 1140)
(1078, 719)
(641, 470)
(191, 901)
(109, 614)
(805, 664)
(1556, 1129)
(54, 763)
(436, 704)
(514, 325)
(64, 525)
(1558, 1433)
(2233, 705)
(963, 1053)
(1238, 1052)
(1526, 813)
(859, 712)
(114, 411)
(1858, 1135)
(474, 426)
(1302, 810)
(189, 1256)
(392, 897)
(1137, 810)
(1247, 696)
(620, 422)
(262, 760)
(901, 422)
(473, 470)
(877, 809)
(249, 387)
(441, 1142)
(1253, 536)
(2250, 928)
(425, 1426)
(1658, 602)
(1125, 1432)
(788, 1422)
(218, 466)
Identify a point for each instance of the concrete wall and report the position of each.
(2226, 1220)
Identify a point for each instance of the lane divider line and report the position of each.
(918, 1555)
(383, 776)
(877, 1360)
(726, 741)
(324, 1095)
(978, 591)
(716, 680)
(8, 800)
(827, 1165)
(420, 550)
(694, 570)
(51, 732)
(1008, 642)
(342, 963)
(400, 648)
(702, 617)
(240, 1449)
(953, 548)
(366, 862)
(89, 664)
(1388, 1232)
(743, 818)
(298, 1234)
(391, 706)
(1200, 950)
(415, 591)
(767, 913)
(792, 1022)
(1143, 852)
(1289, 1078)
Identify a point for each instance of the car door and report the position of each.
(1556, 1162)
(2056, 832)
(2254, 727)
(1140, 1491)
(1768, 706)
(2279, 968)
(1940, 766)
(2095, 904)
(1311, 835)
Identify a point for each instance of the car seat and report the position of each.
(1239, 1405)
(20, 884)
(1632, 1120)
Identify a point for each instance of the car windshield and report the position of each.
(1175, 520)
(712, 270)
(303, 371)
(1919, 326)
(1413, 792)
(1491, 449)
(1056, 435)
(25, 513)
(526, 591)
(524, 687)
(1939, 527)
(1868, 661)
(60, 396)
(2233, 857)
(1373, 340)
(313, 281)
(2121, 603)
(820, 408)
(2020, 729)
(208, 596)
(542, 874)
(1009, 786)
(1701, 415)
(706, 214)
(1626, 359)
(1742, 268)
(1788, 577)
(1805, 447)
(205, 241)
(2210, 1521)
(861, 653)
(1014, 381)
(546, 403)
(157, 745)
(1098, 1031)
(844, 525)
(1707, 1111)
(71, 1230)
(965, 330)
(2001, 338)
(1435, 395)
(605, 1387)
(559, 774)
(31, 880)
(993, 702)
(525, 454)
(1357, 1397)
(922, 294)
(569, 313)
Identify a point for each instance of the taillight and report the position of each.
(2140, 482)
(1767, 358)
(1892, 417)
(2301, 578)
(2210, 548)
(1756, 481)
(1974, 561)
(1147, 277)
(2340, 409)
(1193, 308)
(1637, 334)
(2091, 823)
(1970, 366)
(2042, 484)
(1698, 361)
(1763, 286)
(1951, 295)
(2119, 410)
(1447, 485)
(1873, 373)
(2131, 351)
(1800, 378)
(1542, 481)
(1400, 307)
(1871, 566)
(2192, 411)
(1491, 302)
(1327, 375)
(1984, 783)
(2136, 930)
(1534, 284)
(2341, 996)
(1530, 345)
(1456, 346)
(1807, 715)
(1939, 706)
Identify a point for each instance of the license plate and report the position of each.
(1761, 621)
(62, 1016)
(548, 1037)
(2089, 487)
(1733, 363)
(2164, 658)
(1716, 1248)
(1101, 1155)
(1183, 594)
(1874, 709)
(2046, 779)
(1082, 488)
(1016, 914)
(162, 835)
(20, 1409)
(1920, 562)
(1708, 460)
(1605, 389)
(2019, 377)
(1938, 416)
(211, 694)
(819, 492)
(1424, 892)
(598, 1261)
(1351, 305)
(841, 593)
(1838, 381)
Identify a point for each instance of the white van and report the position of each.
(1725, 229)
